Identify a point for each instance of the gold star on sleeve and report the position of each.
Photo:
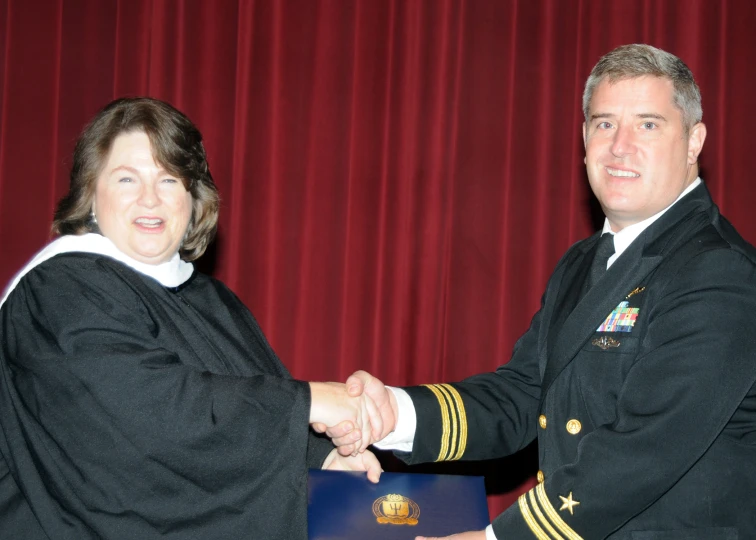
(568, 503)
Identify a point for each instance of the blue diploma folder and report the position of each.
(347, 506)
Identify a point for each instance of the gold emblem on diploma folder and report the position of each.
(396, 510)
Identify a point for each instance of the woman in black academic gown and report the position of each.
(139, 398)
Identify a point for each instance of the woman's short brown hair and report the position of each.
(176, 146)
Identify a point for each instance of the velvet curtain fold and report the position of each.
(398, 177)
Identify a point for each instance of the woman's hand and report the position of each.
(365, 461)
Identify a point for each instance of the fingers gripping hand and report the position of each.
(370, 425)
(339, 431)
(362, 382)
(343, 435)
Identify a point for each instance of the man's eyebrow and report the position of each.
(653, 116)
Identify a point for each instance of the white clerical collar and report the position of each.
(169, 274)
(626, 236)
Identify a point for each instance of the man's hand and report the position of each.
(350, 438)
(365, 461)
(472, 535)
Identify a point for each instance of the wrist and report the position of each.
(394, 407)
(327, 402)
(318, 396)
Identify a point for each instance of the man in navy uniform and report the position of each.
(637, 373)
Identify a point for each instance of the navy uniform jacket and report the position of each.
(640, 391)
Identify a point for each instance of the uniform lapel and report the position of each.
(628, 270)
(575, 319)
(569, 290)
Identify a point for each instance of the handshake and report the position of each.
(354, 415)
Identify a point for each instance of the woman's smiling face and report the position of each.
(139, 206)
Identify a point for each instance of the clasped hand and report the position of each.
(354, 415)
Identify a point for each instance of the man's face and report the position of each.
(637, 155)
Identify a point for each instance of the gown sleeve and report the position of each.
(110, 423)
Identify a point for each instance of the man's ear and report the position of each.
(695, 142)
(585, 142)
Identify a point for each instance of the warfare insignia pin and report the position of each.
(396, 510)
(635, 291)
(605, 342)
(621, 319)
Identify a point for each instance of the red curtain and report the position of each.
(399, 177)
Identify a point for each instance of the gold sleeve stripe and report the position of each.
(530, 520)
(542, 518)
(453, 421)
(453, 435)
(460, 409)
(558, 522)
(444, 421)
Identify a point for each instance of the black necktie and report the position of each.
(604, 250)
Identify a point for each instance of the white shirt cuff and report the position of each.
(490, 534)
(404, 433)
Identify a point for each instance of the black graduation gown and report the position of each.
(132, 411)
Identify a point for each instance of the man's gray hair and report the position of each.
(639, 60)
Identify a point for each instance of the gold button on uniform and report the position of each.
(542, 421)
(574, 426)
(540, 477)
